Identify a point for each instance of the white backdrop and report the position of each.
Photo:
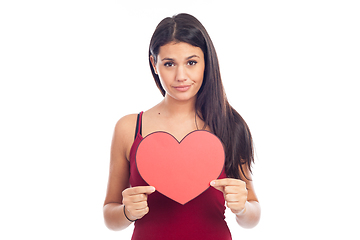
(70, 69)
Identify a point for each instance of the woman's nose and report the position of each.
(181, 74)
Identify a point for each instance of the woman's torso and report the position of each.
(201, 218)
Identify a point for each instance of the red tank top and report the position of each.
(201, 218)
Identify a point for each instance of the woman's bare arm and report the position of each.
(119, 173)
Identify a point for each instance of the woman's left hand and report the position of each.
(235, 193)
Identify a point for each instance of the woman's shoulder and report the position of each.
(126, 125)
(127, 120)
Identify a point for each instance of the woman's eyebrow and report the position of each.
(167, 59)
(172, 59)
(192, 57)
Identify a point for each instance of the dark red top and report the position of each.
(200, 218)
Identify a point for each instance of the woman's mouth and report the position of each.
(183, 88)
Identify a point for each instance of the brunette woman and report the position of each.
(185, 67)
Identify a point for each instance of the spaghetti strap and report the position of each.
(138, 129)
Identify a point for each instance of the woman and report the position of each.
(185, 67)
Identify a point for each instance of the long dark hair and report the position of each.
(223, 120)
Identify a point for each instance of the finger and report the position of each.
(231, 189)
(235, 208)
(137, 209)
(232, 198)
(235, 189)
(140, 213)
(139, 205)
(235, 198)
(226, 182)
(139, 190)
(143, 189)
(137, 198)
(222, 184)
(220, 188)
(137, 213)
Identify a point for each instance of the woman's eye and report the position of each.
(192, 63)
(169, 64)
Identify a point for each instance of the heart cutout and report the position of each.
(180, 170)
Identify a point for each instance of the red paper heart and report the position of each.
(180, 170)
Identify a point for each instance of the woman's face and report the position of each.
(180, 67)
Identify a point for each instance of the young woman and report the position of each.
(185, 67)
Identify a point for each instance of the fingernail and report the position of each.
(153, 189)
(212, 183)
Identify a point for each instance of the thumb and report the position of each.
(150, 189)
(215, 184)
(142, 190)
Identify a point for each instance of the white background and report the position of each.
(70, 69)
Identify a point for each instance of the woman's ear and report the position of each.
(153, 64)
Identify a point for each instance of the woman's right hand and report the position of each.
(135, 201)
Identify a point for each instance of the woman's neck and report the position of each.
(174, 108)
(175, 117)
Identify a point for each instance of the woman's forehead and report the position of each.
(179, 50)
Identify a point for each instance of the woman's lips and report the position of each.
(183, 88)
